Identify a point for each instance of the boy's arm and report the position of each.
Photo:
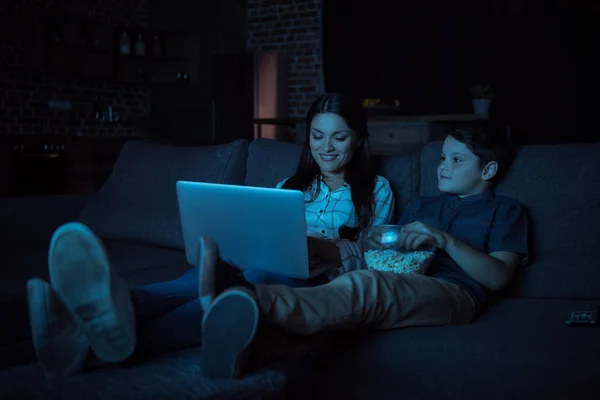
(507, 246)
(493, 270)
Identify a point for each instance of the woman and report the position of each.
(343, 194)
(88, 316)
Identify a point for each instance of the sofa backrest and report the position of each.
(270, 161)
(138, 203)
(560, 187)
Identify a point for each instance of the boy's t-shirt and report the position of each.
(486, 222)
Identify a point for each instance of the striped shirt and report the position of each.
(331, 210)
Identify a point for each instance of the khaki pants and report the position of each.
(366, 299)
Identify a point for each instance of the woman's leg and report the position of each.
(258, 277)
(171, 318)
(178, 329)
(156, 299)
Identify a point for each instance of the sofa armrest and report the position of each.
(31, 219)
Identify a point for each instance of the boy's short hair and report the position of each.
(488, 143)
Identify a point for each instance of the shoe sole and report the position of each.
(81, 275)
(42, 343)
(57, 355)
(228, 328)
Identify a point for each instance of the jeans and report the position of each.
(169, 314)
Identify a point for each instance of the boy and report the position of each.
(481, 239)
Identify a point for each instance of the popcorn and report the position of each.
(414, 262)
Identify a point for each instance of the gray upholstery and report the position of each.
(138, 203)
(402, 172)
(560, 186)
(270, 161)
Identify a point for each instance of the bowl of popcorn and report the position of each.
(383, 250)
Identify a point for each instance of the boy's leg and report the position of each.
(91, 290)
(258, 277)
(359, 299)
(366, 299)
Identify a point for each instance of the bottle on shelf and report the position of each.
(157, 47)
(97, 108)
(125, 44)
(183, 77)
(140, 46)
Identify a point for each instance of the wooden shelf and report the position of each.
(73, 47)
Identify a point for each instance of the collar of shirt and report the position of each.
(476, 198)
(323, 185)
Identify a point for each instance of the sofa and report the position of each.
(520, 349)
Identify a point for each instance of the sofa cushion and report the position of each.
(402, 171)
(520, 349)
(560, 186)
(138, 203)
(270, 161)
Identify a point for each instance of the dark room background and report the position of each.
(428, 55)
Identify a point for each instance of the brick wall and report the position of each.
(292, 27)
(25, 92)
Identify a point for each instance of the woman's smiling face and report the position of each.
(332, 143)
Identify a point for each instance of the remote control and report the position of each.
(588, 317)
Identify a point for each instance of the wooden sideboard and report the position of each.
(396, 134)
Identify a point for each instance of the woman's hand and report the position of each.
(325, 250)
(313, 243)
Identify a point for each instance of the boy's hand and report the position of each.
(417, 234)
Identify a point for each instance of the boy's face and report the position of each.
(459, 171)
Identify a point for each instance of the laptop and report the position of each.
(255, 227)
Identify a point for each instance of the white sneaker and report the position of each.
(95, 295)
(60, 344)
(228, 330)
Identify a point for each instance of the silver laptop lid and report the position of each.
(261, 228)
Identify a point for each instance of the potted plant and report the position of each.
(482, 98)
